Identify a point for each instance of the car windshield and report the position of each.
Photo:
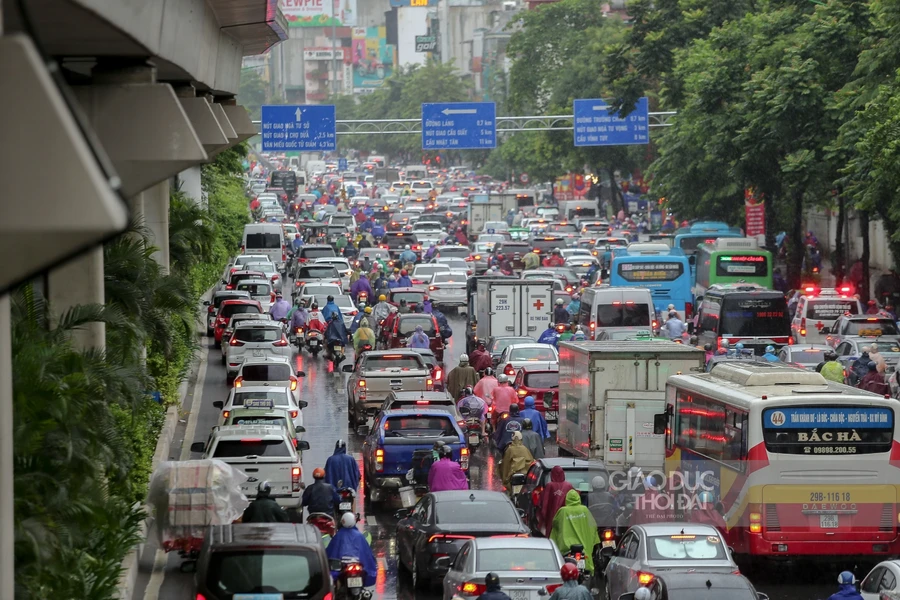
(413, 426)
(279, 571)
(395, 361)
(267, 268)
(498, 346)
(456, 263)
(448, 278)
(408, 325)
(517, 559)
(410, 297)
(757, 316)
(808, 356)
(257, 334)
(263, 240)
(255, 289)
(316, 252)
(533, 353)
(251, 447)
(634, 314)
(885, 347)
(871, 328)
(542, 380)
(220, 298)
(430, 269)
(320, 272)
(232, 309)
(321, 290)
(685, 547)
(475, 511)
(461, 251)
(279, 398)
(266, 372)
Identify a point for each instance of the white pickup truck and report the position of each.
(377, 373)
(262, 453)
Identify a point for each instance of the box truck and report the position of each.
(511, 307)
(609, 395)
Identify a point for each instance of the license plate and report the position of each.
(581, 564)
(609, 544)
(337, 348)
(257, 353)
(313, 343)
(473, 438)
(344, 506)
(520, 594)
(354, 582)
(828, 521)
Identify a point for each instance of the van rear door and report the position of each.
(266, 239)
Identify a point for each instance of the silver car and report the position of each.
(524, 565)
(447, 289)
(670, 547)
(254, 339)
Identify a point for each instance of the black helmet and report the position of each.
(830, 355)
(445, 451)
(340, 445)
(438, 445)
(263, 489)
(489, 372)
(514, 409)
(707, 347)
(315, 306)
(331, 298)
(492, 580)
(466, 391)
(526, 423)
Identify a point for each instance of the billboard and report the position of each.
(372, 58)
(319, 13)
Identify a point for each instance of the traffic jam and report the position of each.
(422, 383)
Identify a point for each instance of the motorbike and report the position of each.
(323, 522)
(334, 351)
(349, 580)
(315, 341)
(362, 298)
(575, 555)
(348, 495)
(297, 337)
(473, 427)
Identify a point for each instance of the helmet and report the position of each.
(403, 273)
(445, 451)
(480, 345)
(559, 301)
(526, 423)
(340, 445)
(672, 314)
(492, 580)
(831, 355)
(264, 488)
(513, 409)
(642, 593)
(361, 306)
(319, 473)
(770, 349)
(466, 391)
(296, 236)
(502, 378)
(488, 372)
(670, 307)
(331, 298)
(707, 347)
(846, 578)
(706, 497)
(598, 483)
(368, 310)
(348, 519)
(382, 298)
(739, 346)
(569, 572)
(463, 358)
(315, 306)
(407, 247)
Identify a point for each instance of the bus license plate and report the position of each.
(828, 521)
(354, 582)
(344, 506)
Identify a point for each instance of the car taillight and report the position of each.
(688, 310)
(281, 343)
(509, 370)
(211, 309)
(293, 383)
(522, 392)
(235, 342)
(229, 287)
(645, 578)
(225, 414)
(294, 414)
(362, 383)
(803, 326)
(536, 496)
(295, 479)
(608, 534)
(238, 381)
(464, 458)
(755, 522)
(271, 296)
(274, 277)
(438, 374)
(470, 588)
(379, 460)
(552, 587)
(429, 384)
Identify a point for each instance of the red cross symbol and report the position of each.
(538, 304)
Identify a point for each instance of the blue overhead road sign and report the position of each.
(595, 125)
(342, 164)
(459, 125)
(292, 128)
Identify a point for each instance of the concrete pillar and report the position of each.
(156, 218)
(79, 281)
(190, 185)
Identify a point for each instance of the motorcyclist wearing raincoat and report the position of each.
(574, 524)
(350, 541)
(336, 333)
(330, 309)
(446, 474)
(341, 471)
(516, 459)
(536, 416)
(264, 508)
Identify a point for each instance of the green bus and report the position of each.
(731, 260)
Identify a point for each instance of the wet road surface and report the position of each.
(325, 420)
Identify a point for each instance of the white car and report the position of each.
(422, 274)
(270, 271)
(344, 302)
(492, 226)
(320, 289)
(232, 323)
(458, 266)
(241, 262)
(270, 371)
(390, 199)
(343, 268)
(281, 396)
(568, 253)
(425, 226)
(447, 289)
(538, 356)
(260, 290)
(255, 339)
(884, 577)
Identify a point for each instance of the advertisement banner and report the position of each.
(319, 13)
(755, 214)
(372, 58)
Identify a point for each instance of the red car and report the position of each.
(412, 295)
(405, 325)
(231, 307)
(538, 382)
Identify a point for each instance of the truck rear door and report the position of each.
(537, 307)
(626, 429)
(503, 311)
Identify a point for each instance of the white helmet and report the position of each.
(502, 378)
(559, 301)
(348, 520)
(407, 247)
(463, 358)
(642, 594)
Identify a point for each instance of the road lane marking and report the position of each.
(156, 578)
(191, 430)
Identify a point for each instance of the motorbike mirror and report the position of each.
(302, 403)
(518, 479)
(402, 513)
(347, 368)
(206, 303)
(219, 404)
(198, 447)
(302, 445)
(762, 596)
(521, 512)
(660, 423)
(543, 592)
(301, 373)
(464, 411)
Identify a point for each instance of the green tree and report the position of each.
(252, 93)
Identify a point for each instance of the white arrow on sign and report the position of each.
(299, 114)
(459, 111)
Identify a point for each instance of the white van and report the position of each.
(266, 239)
(617, 311)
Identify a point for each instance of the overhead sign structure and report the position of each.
(426, 43)
(297, 128)
(596, 125)
(459, 126)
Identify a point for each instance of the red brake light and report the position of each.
(472, 589)
(281, 343)
(235, 342)
(645, 578)
(553, 587)
(238, 381)
(438, 374)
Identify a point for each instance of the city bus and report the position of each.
(745, 313)
(662, 270)
(802, 467)
(731, 260)
(687, 239)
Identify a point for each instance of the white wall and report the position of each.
(370, 13)
(824, 225)
(410, 23)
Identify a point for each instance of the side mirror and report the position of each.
(198, 447)
(518, 479)
(692, 259)
(521, 513)
(302, 403)
(219, 404)
(300, 429)
(402, 513)
(347, 368)
(627, 596)
(302, 445)
(206, 303)
(660, 423)
(761, 596)
(607, 552)
(442, 562)
(362, 430)
(301, 373)
(690, 327)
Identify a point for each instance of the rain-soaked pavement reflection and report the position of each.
(325, 420)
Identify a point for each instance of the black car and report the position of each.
(441, 523)
(285, 559)
(578, 472)
(700, 586)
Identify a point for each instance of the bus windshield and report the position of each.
(753, 316)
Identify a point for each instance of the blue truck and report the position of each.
(401, 440)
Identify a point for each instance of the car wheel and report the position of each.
(224, 360)
(420, 580)
(217, 344)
